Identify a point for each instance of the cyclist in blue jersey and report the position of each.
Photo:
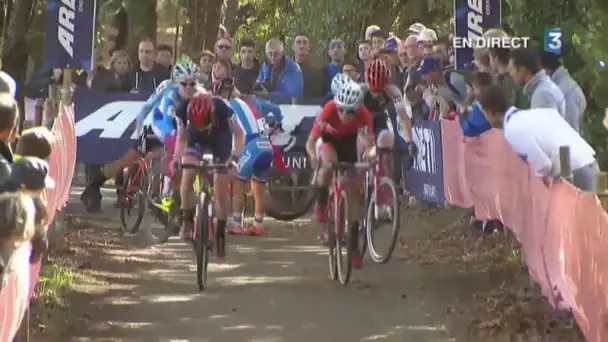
(260, 120)
(157, 116)
(210, 126)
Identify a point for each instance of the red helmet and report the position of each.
(377, 75)
(199, 109)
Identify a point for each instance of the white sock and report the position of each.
(166, 186)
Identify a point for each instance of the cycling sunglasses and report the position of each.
(349, 111)
(191, 84)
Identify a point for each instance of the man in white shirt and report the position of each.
(537, 134)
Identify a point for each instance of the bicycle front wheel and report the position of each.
(202, 243)
(344, 247)
(330, 229)
(385, 213)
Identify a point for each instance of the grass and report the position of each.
(54, 279)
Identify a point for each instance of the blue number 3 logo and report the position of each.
(554, 40)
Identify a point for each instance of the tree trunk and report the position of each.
(193, 38)
(213, 17)
(142, 22)
(16, 51)
(232, 22)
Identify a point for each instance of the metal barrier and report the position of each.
(19, 285)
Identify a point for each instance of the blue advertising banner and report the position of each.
(424, 179)
(472, 19)
(69, 36)
(105, 126)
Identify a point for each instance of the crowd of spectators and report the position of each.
(24, 176)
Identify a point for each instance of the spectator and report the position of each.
(116, 78)
(499, 67)
(481, 60)
(415, 29)
(392, 44)
(35, 142)
(279, 76)
(221, 69)
(17, 226)
(350, 69)
(378, 41)
(537, 135)
(365, 54)
(575, 98)
(223, 51)
(206, 66)
(334, 67)
(7, 84)
(450, 88)
(426, 41)
(164, 55)
(313, 78)
(414, 56)
(524, 67)
(399, 72)
(247, 70)
(440, 50)
(369, 31)
(9, 116)
(475, 122)
(147, 74)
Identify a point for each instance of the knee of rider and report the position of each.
(386, 139)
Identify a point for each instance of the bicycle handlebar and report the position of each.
(347, 166)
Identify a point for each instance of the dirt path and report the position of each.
(274, 288)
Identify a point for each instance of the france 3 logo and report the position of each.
(554, 40)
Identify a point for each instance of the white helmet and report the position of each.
(350, 96)
(184, 70)
(338, 82)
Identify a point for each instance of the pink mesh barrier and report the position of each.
(20, 284)
(563, 231)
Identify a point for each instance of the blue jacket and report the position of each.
(475, 123)
(291, 82)
(332, 70)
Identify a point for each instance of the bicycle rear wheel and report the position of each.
(388, 212)
(330, 228)
(202, 243)
(134, 197)
(344, 247)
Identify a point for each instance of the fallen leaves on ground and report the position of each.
(511, 308)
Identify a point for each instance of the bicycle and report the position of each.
(204, 232)
(135, 189)
(375, 183)
(337, 209)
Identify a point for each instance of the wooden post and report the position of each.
(39, 112)
(602, 189)
(51, 106)
(564, 163)
(66, 91)
(23, 334)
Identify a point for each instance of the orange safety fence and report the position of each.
(563, 231)
(19, 284)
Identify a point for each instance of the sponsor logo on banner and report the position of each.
(554, 40)
(69, 34)
(105, 126)
(425, 178)
(473, 18)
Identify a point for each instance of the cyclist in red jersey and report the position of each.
(342, 123)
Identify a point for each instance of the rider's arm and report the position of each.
(317, 128)
(367, 124)
(149, 105)
(224, 113)
(182, 114)
(398, 101)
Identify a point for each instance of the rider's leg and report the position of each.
(238, 203)
(222, 150)
(347, 152)
(187, 195)
(261, 168)
(386, 140)
(327, 155)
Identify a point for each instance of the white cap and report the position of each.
(427, 35)
(371, 29)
